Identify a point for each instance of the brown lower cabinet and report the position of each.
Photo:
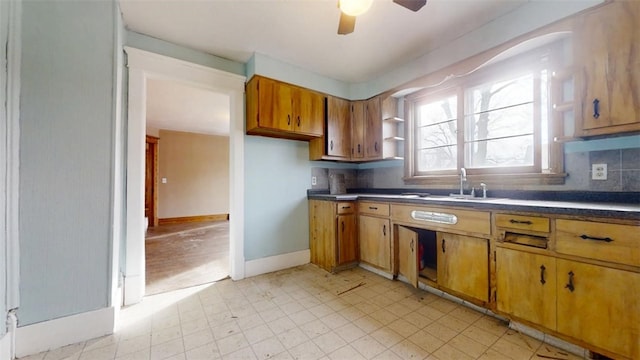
(526, 286)
(461, 262)
(375, 241)
(333, 240)
(463, 265)
(594, 304)
(580, 284)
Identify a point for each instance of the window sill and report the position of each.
(502, 180)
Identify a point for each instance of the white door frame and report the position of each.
(145, 65)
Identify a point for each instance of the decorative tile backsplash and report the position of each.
(623, 174)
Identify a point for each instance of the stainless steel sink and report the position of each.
(468, 197)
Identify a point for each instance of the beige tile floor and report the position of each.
(306, 313)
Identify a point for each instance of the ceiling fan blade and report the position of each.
(347, 24)
(413, 5)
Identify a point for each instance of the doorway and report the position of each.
(190, 244)
(142, 66)
(151, 181)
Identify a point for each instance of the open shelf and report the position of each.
(394, 119)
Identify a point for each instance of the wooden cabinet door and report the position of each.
(599, 306)
(373, 129)
(347, 239)
(375, 241)
(308, 112)
(357, 129)
(526, 286)
(408, 254)
(282, 107)
(608, 69)
(463, 265)
(338, 136)
(322, 233)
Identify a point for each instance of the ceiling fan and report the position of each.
(352, 8)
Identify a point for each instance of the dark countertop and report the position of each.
(566, 204)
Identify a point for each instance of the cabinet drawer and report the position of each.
(601, 241)
(345, 207)
(522, 222)
(373, 208)
(466, 221)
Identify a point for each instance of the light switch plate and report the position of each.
(599, 172)
(314, 180)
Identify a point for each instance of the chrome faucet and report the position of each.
(463, 178)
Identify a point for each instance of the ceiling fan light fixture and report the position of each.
(355, 7)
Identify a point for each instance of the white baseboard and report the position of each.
(134, 288)
(8, 340)
(5, 346)
(550, 339)
(275, 263)
(47, 335)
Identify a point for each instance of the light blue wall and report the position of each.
(292, 74)
(66, 148)
(4, 35)
(277, 176)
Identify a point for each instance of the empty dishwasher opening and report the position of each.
(428, 256)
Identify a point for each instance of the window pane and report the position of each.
(513, 151)
(442, 158)
(437, 135)
(437, 111)
(511, 121)
(500, 94)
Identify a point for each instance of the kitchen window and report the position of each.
(495, 122)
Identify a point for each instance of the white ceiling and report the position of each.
(302, 33)
(175, 106)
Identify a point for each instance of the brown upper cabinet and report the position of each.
(360, 130)
(366, 129)
(607, 60)
(280, 110)
(338, 133)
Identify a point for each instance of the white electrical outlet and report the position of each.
(314, 180)
(599, 172)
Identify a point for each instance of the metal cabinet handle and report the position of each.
(587, 237)
(288, 119)
(375, 146)
(525, 222)
(373, 208)
(542, 269)
(331, 145)
(384, 230)
(412, 240)
(570, 284)
(298, 120)
(358, 148)
(443, 248)
(596, 108)
(343, 226)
